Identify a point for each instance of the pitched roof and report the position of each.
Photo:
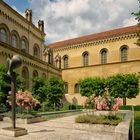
(94, 37)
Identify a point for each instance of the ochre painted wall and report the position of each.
(77, 71)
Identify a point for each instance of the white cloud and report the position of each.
(66, 19)
(129, 21)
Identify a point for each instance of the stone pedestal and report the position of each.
(14, 132)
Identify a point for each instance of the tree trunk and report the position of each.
(124, 101)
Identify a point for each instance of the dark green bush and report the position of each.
(136, 127)
(3, 108)
(65, 107)
(101, 119)
(79, 107)
(129, 107)
(72, 107)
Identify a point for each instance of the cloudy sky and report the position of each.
(66, 19)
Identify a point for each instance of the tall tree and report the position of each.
(5, 86)
(39, 89)
(55, 91)
(124, 86)
(137, 15)
(90, 86)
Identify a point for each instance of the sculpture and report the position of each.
(13, 63)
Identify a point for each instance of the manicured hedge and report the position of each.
(129, 107)
(136, 127)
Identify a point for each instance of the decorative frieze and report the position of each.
(97, 42)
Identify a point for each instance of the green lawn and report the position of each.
(136, 127)
(137, 121)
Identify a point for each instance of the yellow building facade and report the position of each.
(18, 35)
(101, 54)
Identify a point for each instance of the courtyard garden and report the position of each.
(45, 100)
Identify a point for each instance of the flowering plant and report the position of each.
(108, 103)
(25, 100)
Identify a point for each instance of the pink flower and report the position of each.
(25, 100)
(99, 107)
(106, 103)
(115, 107)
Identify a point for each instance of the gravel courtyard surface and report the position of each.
(56, 129)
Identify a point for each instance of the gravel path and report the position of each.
(57, 129)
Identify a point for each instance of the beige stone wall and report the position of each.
(11, 21)
(73, 75)
(114, 65)
(75, 52)
(15, 22)
(29, 61)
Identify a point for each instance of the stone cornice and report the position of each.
(97, 42)
(30, 57)
(111, 63)
(20, 25)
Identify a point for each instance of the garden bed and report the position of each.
(26, 120)
(119, 129)
(57, 114)
(43, 116)
(100, 119)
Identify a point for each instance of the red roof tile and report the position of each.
(96, 36)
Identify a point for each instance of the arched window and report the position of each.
(36, 51)
(124, 53)
(14, 41)
(66, 87)
(24, 44)
(85, 58)
(44, 75)
(103, 56)
(35, 74)
(65, 61)
(3, 35)
(25, 76)
(76, 88)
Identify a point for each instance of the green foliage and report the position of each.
(89, 86)
(136, 127)
(3, 108)
(4, 85)
(120, 85)
(39, 89)
(20, 83)
(48, 91)
(86, 87)
(123, 85)
(129, 107)
(137, 15)
(101, 119)
(71, 107)
(55, 92)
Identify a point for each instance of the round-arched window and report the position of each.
(14, 41)
(3, 35)
(35, 74)
(103, 56)
(25, 76)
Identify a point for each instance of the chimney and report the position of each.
(41, 25)
(28, 15)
